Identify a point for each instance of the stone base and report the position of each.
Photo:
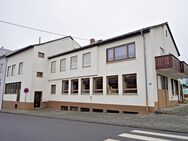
(17, 105)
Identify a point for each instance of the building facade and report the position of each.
(3, 62)
(136, 72)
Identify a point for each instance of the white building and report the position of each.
(3, 62)
(134, 72)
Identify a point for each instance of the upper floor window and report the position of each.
(121, 52)
(13, 70)
(53, 89)
(53, 66)
(8, 71)
(87, 59)
(73, 62)
(129, 83)
(20, 69)
(162, 52)
(62, 64)
(1, 68)
(40, 55)
(39, 74)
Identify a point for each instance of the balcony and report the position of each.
(171, 66)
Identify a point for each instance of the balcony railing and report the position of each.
(184, 67)
(168, 62)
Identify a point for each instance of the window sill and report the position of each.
(64, 94)
(123, 60)
(112, 94)
(130, 94)
(84, 94)
(74, 93)
(86, 66)
(97, 93)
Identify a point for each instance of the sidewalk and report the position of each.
(167, 122)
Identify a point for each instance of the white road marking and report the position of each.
(138, 137)
(111, 140)
(161, 134)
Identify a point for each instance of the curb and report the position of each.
(96, 122)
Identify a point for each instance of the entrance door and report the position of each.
(37, 99)
(162, 91)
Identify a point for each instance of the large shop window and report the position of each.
(74, 86)
(98, 85)
(112, 84)
(13, 88)
(121, 52)
(129, 83)
(85, 85)
(65, 86)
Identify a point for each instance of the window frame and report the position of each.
(53, 92)
(19, 70)
(126, 46)
(77, 90)
(13, 71)
(76, 62)
(41, 54)
(40, 76)
(8, 71)
(83, 65)
(51, 69)
(107, 82)
(60, 69)
(1, 67)
(100, 91)
(62, 87)
(85, 91)
(129, 89)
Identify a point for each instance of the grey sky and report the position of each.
(99, 19)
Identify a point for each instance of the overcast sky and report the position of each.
(99, 19)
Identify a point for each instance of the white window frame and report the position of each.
(63, 64)
(86, 61)
(74, 65)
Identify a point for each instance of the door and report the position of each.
(37, 99)
(162, 91)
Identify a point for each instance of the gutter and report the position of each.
(4, 82)
(145, 70)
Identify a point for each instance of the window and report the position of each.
(87, 60)
(20, 70)
(62, 64)
(12, 88)
(40, 55)
(121, 52)
(73, 62)
(129, 83)
(98, 85)
(53, 89)
(53, 66)
(175, 89)
(162, 82)
(13, 70)
(1, 68)
(112, 84)
(65, 87)
(85, 85)
(8, 71)
(162, 52)
(74, 86)
(39, 74)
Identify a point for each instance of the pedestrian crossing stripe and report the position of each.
(160, 134)
(111, 140)
(139, 137)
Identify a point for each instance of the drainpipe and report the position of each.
(145, 69)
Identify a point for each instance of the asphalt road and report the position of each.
(24, 128)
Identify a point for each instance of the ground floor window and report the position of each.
(98, 85)
(162, 82)
(85, 85)
(129, 83)
(174, 86)
(65, 86)
(74, 86)
(53, 89)
(12, 88)
(112, 84)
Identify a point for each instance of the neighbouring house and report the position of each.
(184, 83)
(3, 62)
(136, 72)
(27, 73)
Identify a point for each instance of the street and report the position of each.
(26, 128)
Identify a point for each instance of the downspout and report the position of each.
(145, 71)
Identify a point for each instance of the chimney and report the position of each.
(92, 40)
